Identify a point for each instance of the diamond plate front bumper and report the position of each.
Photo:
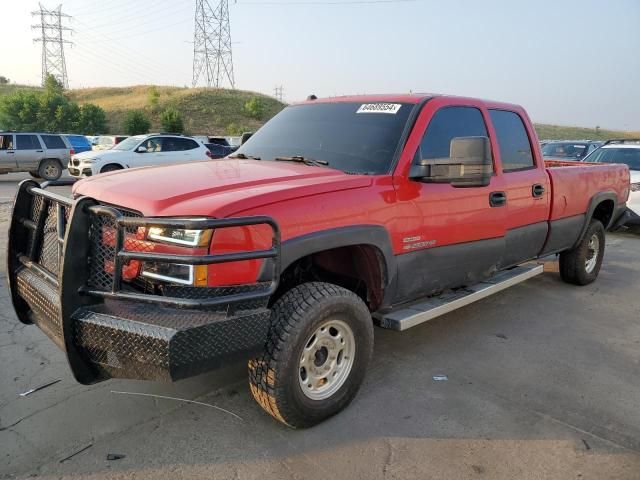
(119, 331)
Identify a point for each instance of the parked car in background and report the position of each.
(218, 151)
(569, 149)
(105, 142)
(625, 151)
(139, 151)
(80, 143)
(43, 155)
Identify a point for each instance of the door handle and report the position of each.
(10, 152)
(497, 199)
(39, 151)
(537, 190)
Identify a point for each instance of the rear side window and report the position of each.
(53, 141)
(171, 144)
(27, 142)
(447, 124)
(515, 149)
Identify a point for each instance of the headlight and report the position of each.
(195, 275)
(178, 236)
(635, 187)
(89, 160)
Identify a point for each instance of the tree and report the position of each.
(136, 123)
(19, 111)
(254, 108)
(233, 129)
(171, 121)
(52, 85)
(92, 119)
(4, 80)
(153, 97)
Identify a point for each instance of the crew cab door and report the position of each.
(29, 151)
(526, 184)
(445, 236)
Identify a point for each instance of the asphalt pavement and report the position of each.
(542, 382)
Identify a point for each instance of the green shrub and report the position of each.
(136, 123)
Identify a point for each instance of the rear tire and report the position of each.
(581, 265)
(112, 167)
(50, 169)
(316, 354)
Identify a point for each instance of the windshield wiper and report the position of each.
(305, 160)
(242, 156)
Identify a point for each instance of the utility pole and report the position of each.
(279, 93)
(51, 31)
(212, 58)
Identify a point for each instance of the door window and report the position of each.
(447, 124)
(6, 142)
(53, 142)
(515, 148)
(27, 142)
(153, 145)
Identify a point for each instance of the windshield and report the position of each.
(628, 156)
(128, 143)
(564, 150)
(351, 137)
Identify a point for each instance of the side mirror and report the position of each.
(141, 149)
(469, 164)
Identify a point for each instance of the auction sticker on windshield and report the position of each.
(379, 108)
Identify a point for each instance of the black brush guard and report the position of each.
(110, 328)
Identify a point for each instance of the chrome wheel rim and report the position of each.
(326, 360)
(592, 254)
(51, 170)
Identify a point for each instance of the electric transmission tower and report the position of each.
(279, 93)
(52, 31)
(212, 59)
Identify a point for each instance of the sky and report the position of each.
(568, 62)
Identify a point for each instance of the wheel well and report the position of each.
(359, 268)
(604, 212)
(117, 165)
(50, 158)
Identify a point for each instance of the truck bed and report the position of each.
(574, 184)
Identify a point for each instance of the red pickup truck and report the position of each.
(337, 214)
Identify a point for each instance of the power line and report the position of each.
(51, 29)
(212, 57)
(348, 2)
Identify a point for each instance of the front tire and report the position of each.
(581, 265)
(316, 354)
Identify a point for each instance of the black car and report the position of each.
(572, 150)
(218, 151)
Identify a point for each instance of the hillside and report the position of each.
(214, 111)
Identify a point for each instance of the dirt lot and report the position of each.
(542, 383)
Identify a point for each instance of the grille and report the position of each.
(102, 234)
(48, 252)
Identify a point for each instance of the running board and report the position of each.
(423, 310)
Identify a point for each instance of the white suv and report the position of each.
(139, 151)
(625, 151)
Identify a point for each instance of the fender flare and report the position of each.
(374, 235)
(596, 200)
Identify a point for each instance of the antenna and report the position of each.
(212, 58)
(53, 62)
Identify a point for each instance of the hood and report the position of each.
(98, 153)
(219, 188)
